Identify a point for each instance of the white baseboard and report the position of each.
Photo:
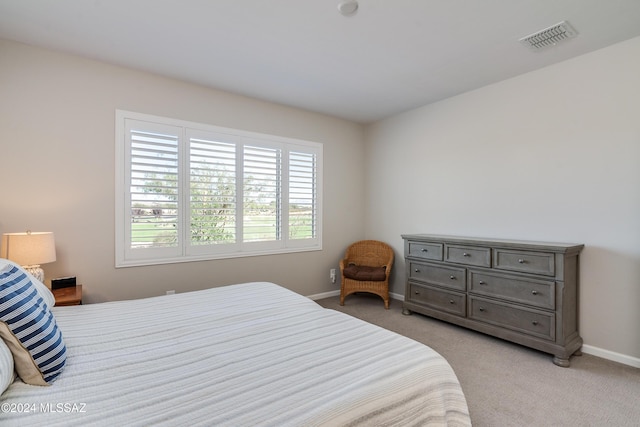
(337, 293)
(611, 355)
(324, 295)
(396, 296)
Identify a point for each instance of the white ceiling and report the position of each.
(391, 56)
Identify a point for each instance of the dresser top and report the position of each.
(503, 243)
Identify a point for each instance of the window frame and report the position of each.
(184, 251)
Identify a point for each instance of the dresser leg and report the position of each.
(561, 361)
(407, 312)
(578, 353)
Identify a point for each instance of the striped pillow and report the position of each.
(29, 329)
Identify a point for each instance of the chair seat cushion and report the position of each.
(360, 272)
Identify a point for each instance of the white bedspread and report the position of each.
(241, 355)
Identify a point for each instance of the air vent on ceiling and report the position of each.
(549, 36)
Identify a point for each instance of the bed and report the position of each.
(238, 355)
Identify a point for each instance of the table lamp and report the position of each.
(29, 249)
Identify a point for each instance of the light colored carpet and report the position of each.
(510, 385)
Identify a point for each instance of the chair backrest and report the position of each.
(370, 253)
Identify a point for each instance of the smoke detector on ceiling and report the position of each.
(348, 8)
(549, 36)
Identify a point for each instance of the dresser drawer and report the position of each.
(448, 277)
(524, 261)
(528, 321)
(539, 293)
(432, 251)
(469, 255)
(450, 302)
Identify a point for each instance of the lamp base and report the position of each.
(35, 271)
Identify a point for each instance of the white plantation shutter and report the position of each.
(152, 190)
(262, 190)
(213, 192)
(303, 196)
(187, 191)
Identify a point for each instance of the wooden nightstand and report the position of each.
(68, 296)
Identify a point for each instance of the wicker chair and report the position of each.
(366, 268)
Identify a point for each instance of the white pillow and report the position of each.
(43, 291)
(7, 372)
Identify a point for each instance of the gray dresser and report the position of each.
(525, 292)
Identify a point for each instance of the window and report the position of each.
(188, 191)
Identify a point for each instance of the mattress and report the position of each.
(239, 355)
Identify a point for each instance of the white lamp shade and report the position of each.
(30, 248)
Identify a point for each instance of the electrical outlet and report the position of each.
(332, 275)
(171, 292)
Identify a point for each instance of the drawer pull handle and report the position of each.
(417, 292)
(452, 277)
(534, 292)
(424, 250)
(521, 261)
(417, 270)
(451, 301)
(481, 308)
(535, 323)
(465, 254)
(482, 282)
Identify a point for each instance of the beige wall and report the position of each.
(57, 124)
(552, 155)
